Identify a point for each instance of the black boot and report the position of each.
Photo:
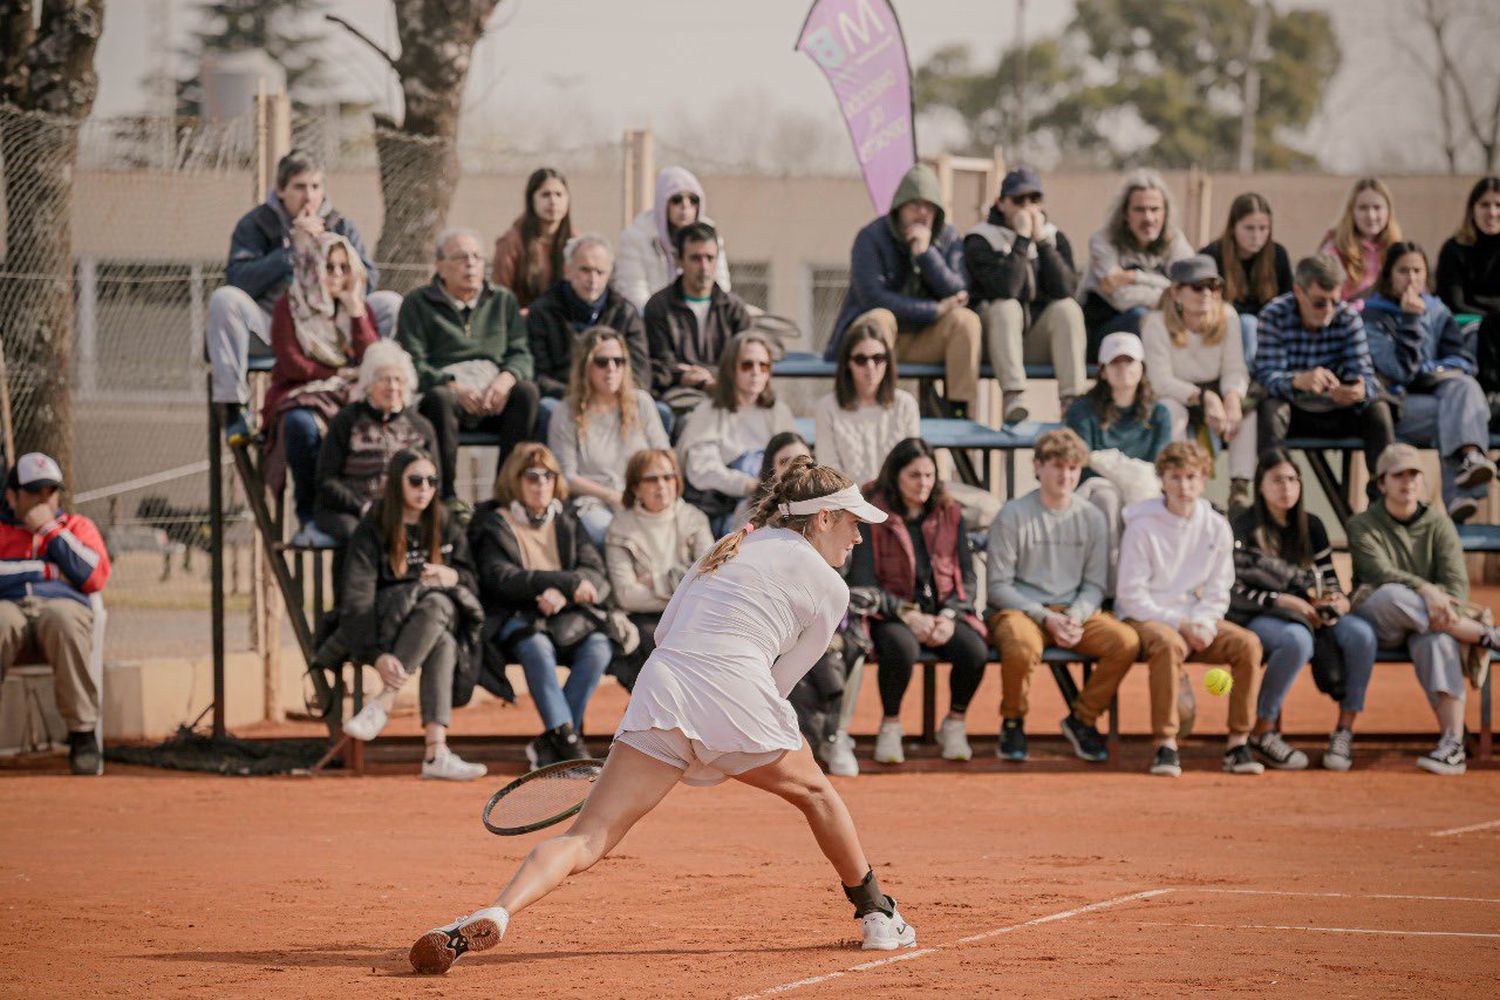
(567, 744)
(83, 753)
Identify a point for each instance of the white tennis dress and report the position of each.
(730, 647)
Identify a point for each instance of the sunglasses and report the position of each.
(678, 199)
(539, 475)
(339, 268)
(1207, 285)
(660, 477)
(867, 359)
(755, 366)
(609, 362)
(1034, 198)
(417, 482)
(1321, 302)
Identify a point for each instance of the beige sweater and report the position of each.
(855, 442)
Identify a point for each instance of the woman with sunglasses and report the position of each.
(860, 421)
(408, 604)
(544, 588)
(604, 420)
(319, 331)
(724, 439)
(647, 261)
(652, 544)
(1197, 365)
(529, 255)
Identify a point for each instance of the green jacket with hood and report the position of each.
(883, 273)
(1427, 549)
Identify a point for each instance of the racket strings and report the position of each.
(544, 796)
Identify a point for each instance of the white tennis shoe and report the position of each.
(888, 743)
(450, 766)
(887, 933)
(954, 740)
(435, 952)
(368, 722)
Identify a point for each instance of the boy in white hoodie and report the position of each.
(1176, 568)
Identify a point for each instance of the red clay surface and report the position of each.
(150, 883)
(155, 884)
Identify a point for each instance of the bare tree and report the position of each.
(419, 155)
(1458, 82)
(47, 88)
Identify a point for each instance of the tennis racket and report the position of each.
(537, 800)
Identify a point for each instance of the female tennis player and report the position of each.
(710, 704)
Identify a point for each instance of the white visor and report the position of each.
(849, 499)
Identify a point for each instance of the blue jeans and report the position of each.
(596, 519)
(299, 431)
(558, 704)
(1249, 329)
(1288, 647)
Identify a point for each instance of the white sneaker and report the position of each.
(887, 933)
(888, 744)
(1446, 758)
(368, 722)
(953, 740)
(450, 766)
(838, 757)
(435, 952)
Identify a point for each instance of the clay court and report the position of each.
(1044, 880)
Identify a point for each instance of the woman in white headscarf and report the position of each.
(319, 331)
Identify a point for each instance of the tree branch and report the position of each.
(389, 59)
(16, 34)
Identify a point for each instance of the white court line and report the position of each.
(1466, 829)
(1340, 895)
(920, 952)
(1325, 930)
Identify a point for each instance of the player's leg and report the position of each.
(630, 786)
(796, 778)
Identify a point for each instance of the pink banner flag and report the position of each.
(859, 47)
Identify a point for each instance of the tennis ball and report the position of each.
(1218, 681)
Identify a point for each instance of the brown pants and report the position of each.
(1112, 643)
(1165, 651)
(59, 632)
(954, 340)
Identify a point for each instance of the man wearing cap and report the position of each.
(50, 562)
(1022, 278)
(907, 280)
(1314, 363)
(1410, 579)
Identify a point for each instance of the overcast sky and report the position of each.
(614, 59)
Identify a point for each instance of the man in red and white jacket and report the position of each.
(50, 562)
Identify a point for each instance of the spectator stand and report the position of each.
(293, 570)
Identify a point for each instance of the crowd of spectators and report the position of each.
(631, 396)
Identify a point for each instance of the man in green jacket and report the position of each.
(1409, 551)
(470, 348)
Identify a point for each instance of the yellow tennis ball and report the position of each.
(1218, 681)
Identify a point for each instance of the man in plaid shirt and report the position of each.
(1313, 360)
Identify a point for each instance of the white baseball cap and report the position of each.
(35, 469)
(1121, 344)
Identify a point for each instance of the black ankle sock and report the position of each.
(867, 897)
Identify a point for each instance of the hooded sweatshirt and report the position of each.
(647, 261)
(883, 274)
(1174, 569)
(1404, 346)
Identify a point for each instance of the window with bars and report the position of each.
(752, 282)
(826, 287)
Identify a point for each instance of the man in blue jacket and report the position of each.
(259, 270)
(907, 280)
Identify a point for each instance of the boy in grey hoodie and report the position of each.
(1176, 568)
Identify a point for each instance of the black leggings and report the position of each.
(896, 650)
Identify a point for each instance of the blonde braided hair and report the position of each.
(802, 479)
